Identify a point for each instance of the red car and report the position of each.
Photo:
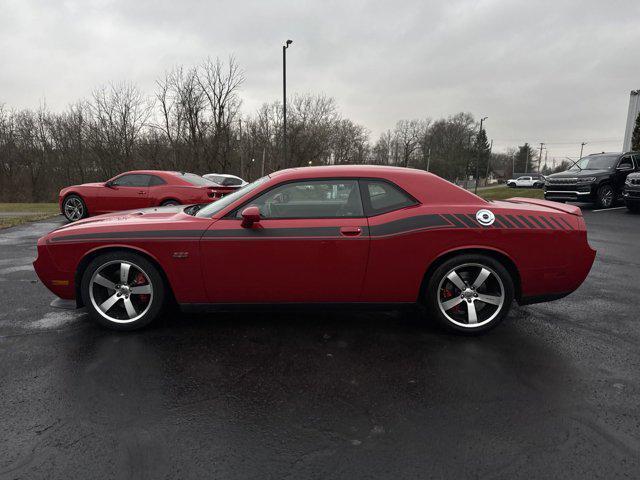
(137, 189)
(343, 234)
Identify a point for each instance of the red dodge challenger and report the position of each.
(343, 234)
(138, 189)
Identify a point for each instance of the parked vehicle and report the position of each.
(526, 182)
(631, 192)
(318, 235)
(137, 189)
(597, 178)
(226, 180)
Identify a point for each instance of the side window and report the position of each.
(310, 199)
(132, 180)
(154, 181)
(625, 163)
(383, 197)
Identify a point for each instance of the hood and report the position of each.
(579, 173)
(128, 217)
(634, 175)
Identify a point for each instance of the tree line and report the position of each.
(193, 121)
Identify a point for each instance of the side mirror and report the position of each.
(108, 184)
(250, 215)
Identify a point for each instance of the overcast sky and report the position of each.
(558, 72)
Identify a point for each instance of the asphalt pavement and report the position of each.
(552, 392)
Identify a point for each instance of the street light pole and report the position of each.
(284, 101)
(582, 148)
(478, 159)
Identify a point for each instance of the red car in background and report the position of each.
(341, 234)
(137, 189)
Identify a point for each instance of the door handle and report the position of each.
(350, 231)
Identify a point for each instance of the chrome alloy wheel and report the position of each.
(606, 196)
(73, 208)
(121, 291)
(471, 295)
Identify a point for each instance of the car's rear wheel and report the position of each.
(168, 203)
(469, 293)
(74, 208)
(123, 290)
(605, 197)
(633, 207)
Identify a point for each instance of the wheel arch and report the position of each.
(167, 199)
(91, 254)
(494, 253)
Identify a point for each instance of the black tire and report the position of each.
(117, 317)
(74, 208)
(469, 266)
(168, 203)
(605, 197)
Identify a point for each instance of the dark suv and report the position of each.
(597, 178)
(631, 192)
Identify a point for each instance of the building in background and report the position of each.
(634, 110)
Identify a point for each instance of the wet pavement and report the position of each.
(553, 392)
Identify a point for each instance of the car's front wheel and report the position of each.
(122, 290)
(469, 293)
(605, 197)
(74, 208)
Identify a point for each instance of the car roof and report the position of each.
(382, 171)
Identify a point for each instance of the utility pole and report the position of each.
(526, 160)
(284, 100)
(540, 156)
(263, 155)
(478, 158)
(428, 158)
(582, 148)
(513, 164)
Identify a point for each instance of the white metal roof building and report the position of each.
(634, 110)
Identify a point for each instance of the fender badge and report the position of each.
(485, 217)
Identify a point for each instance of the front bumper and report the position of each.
(576, 193)
(60, 282)
(631, 195)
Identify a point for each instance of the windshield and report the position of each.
(194, 179)
(596, 162)
(227, 200)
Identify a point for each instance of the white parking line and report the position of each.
(607, 209)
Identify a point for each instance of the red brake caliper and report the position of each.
(140, 280)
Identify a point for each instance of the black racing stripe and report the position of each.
(546, 220)
(274, 232)
(515, 221)
(562, 227)
(453, 220)
(464, 219)
(527, 222)
(132, 235)
(408, 224)
(567, 223)
(534, 219)
(504, 221)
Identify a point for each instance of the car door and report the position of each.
(310, 245)
(625, 167)
(126, 192)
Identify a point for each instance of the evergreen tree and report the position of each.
(482, 149)
(523, 161)
(635, 138)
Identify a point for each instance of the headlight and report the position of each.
(587, 180)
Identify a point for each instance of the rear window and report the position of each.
(194, 179)
(383, 197)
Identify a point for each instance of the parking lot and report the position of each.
(552, 392)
